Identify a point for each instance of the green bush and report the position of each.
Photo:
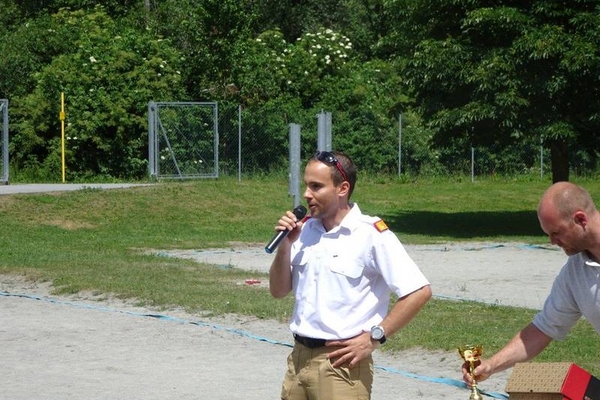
(108, 76)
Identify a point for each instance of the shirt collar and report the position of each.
(352, 220)
(588, 260)
(349, 222)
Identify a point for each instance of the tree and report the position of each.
(210, 34)
(31, 9)
(108, 75)
(495, 72)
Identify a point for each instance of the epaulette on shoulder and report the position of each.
(380, 225)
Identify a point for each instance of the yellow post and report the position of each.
(62, 128)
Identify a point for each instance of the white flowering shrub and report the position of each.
(273, 66)
(330, 50)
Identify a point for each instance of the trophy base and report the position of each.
(475, 395)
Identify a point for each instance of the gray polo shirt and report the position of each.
(575, 292)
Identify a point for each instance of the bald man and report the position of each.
(568, 216)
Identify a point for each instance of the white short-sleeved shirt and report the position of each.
(342, 279)
(575, 292)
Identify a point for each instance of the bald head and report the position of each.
(569, 217)
(565, 198)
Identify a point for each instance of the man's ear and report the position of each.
(580, 218)
(344, 188)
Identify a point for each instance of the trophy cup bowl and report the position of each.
(471, 355)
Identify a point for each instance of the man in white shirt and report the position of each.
(341, 266)
(568, 216)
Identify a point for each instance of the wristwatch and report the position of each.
(377, 333)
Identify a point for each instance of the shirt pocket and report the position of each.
(349, 267)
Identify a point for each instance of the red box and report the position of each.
(552, 381)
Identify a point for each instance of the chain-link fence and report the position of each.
(227, 139)
(183, 140)
(255, 141)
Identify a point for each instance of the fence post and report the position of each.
(239, 142)
(324, 131)
(472, 164)
(399, 144)
(151, 140)
(294, 173)
(541, 157)
(4, 140)
(216, 138)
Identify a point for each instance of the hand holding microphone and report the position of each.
(299, 212)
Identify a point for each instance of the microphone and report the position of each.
(299, 212)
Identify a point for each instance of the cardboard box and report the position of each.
(552, 381)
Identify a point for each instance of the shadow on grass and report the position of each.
(465, 224)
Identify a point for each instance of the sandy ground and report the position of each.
(100, 348)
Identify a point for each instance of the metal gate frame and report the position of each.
(156, 129)
(4, 140)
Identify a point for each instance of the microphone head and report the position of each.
(300, 212)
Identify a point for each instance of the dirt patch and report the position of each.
(510, 274)
(83, 346)
(96, 346)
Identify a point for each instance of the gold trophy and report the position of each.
(471, 354)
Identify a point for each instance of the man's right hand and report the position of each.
(289, 222)
(481, 372)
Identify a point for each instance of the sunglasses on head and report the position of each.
(327, 157)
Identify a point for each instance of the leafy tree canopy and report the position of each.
(498, 71)
(108, 75)
(462, 72)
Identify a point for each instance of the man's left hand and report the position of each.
(352, 350)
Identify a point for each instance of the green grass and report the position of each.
(107, 241)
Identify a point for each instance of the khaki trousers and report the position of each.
(310, 376)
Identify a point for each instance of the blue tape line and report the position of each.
(447, 381)
(239, 332)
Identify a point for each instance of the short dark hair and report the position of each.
(346, 164)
